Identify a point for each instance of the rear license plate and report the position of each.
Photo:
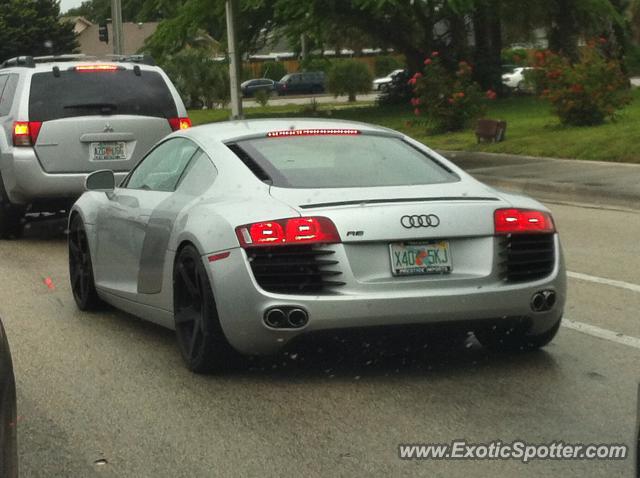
(420, 258)
(109, 151)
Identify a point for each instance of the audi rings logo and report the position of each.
(423, 220)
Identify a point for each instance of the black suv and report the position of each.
(310, 82)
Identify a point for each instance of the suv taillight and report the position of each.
(294, 231)
(25, 133)
(179, 123)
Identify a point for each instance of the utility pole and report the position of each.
(234, 61)
(116, 22)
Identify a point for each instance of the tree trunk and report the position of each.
(459, 46)
(564, 29)
(352, 97)
(487, 28)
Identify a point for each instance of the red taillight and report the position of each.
(89, 68)
(299, 230)
(179, 123)
(25, 133)
(522, 221)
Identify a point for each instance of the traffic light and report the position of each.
(103, 33)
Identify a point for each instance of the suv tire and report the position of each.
(10, 216)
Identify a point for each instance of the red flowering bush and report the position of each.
(584, 93)
(448, 101)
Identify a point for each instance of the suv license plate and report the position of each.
(109, 151)
(420, 258)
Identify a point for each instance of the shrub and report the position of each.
(448, 101)
(311, 109)
(262, 97)
(383, 65)
(585, 93)
(632, 59)
(199, 78)
(274, 70)
(514, 56)
(349, 77)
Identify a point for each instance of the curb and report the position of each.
(549, 190)
(480, 155)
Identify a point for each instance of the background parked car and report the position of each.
(64, 117)
(251, 87)
(8, 429)
(382, 83)
(516, 80)
(301, 83)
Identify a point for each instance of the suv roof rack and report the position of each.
(65, 57)
(142, 59)
(31, 61)
(26, 61)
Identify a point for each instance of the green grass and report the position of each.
(531, 129)
(212, 116)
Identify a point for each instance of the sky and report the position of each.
(67, 4)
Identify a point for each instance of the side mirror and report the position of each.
(103, 180)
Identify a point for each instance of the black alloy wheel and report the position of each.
(202, 343)
(80, 267)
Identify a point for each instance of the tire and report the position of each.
(80, 267)
(10, 216)
(203, 345)
(10, 222)
(515, 340)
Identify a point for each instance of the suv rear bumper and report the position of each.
(25, 182)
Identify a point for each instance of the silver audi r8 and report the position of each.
(244, 235)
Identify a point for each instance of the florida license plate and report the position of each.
(420, 258)
(109, 151)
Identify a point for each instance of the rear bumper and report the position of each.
(241, 305)
(26, 182)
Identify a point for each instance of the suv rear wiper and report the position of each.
(100, 106)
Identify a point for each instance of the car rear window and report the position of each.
(328, 161)
(85, 93)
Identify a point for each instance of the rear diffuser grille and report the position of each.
(527, 257)
(294, 269)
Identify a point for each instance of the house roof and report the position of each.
(79, 23)
(134, 34)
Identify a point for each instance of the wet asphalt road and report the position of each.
(106, 394)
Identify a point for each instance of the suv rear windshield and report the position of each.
(97, 93)
(363, 160)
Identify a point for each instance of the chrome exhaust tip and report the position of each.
(538, 302)
(550, 299)
(543, 301)
(275, 318)
(297, 318)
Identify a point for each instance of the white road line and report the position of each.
(602, 280)
(605, 334)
